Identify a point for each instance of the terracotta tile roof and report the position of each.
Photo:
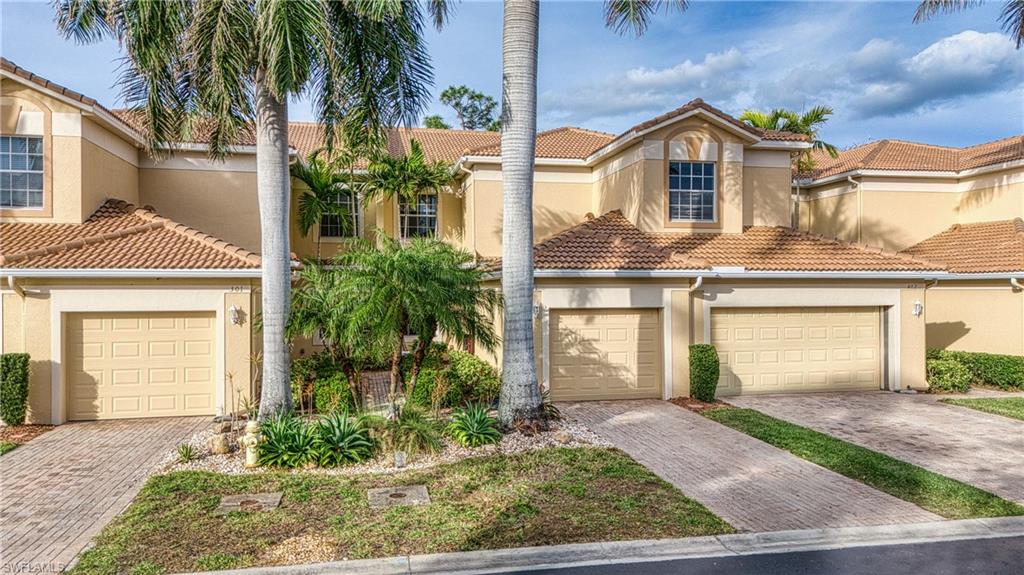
(901, 155)
(611, 242)
(118, 236)
(565, 143)
(696, 104)
(987, 247)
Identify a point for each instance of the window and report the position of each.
(418, 218)
(337, 226)
(21, 172)
(691, 191)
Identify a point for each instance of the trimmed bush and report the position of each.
(948, 376)
(1002, 371)
(329, 384)
(14, 376)
(704, 369)
(449, 378)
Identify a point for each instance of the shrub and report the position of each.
(948, 376)
(288, 441)
(1002, 371)
(473, 426)
(413, 431)
(704, 370)
(449, 378)
(329, 384)
(342, 439)
(14, 375)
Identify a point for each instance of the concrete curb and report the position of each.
(584, 554)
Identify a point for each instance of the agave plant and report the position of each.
(342, 439)
(473, 426)
(288, 442)
(186, 452)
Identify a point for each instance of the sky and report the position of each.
(955, 80)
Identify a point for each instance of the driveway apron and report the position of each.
(59, 490)
(982, 449)
(750, 484)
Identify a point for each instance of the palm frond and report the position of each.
(634, 16)
(1012, 18)
(928, 8)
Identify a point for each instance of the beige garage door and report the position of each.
(785, 350)
(605, 354)
(140, 365)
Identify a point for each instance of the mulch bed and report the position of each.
(697, 406)
(22, 434)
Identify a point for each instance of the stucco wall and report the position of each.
(980, 317)
(767, 196)
(27, 330)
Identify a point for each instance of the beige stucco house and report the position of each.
(133, 282)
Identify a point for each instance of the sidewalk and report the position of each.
(619, 552)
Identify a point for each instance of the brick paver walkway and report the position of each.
(750, 484)
(984, 450)
(59, 490)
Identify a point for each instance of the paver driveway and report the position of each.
(60, 489)
(750, 484)
(984, 450)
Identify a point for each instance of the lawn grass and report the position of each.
(1006, 406)
(549, 496)
(7, 447)
(936, 493)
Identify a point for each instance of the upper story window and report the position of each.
(418, 218)
(342, 226)
(691, 191)
(21, 172)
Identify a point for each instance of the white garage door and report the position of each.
(123, 365)
(605, 354)
(786, 350)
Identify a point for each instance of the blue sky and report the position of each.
(956, 80)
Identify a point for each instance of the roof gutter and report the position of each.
(131, 273)
(753, 274)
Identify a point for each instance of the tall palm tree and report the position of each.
(1012, 16)
(326, 180)
(405, 177)
(808, 124)
(234, 64)
(520, 398)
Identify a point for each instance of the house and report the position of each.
(133, 282)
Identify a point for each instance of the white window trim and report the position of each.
(398, 218)
(357, 201)
(42, 173)
(714, 192)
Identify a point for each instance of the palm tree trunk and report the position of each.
(520, 394)
(272, 185)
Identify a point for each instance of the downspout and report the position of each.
(1015, 283)
(13, 284)
(860, 207)
(696, 285)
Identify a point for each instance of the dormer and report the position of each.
(62, 154)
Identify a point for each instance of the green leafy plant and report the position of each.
(548, 409)
(7, 447)
(704, 371)
(342, 439)
(186, 452)
(412, 431)
(473, 426)
(1002, 371)
(451, 377)
(948, 376)
(288, 441)
(14, 377)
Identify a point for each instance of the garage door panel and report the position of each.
(140, 365)
(773, 350)
(604, 354)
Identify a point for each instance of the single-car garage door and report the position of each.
(140, 364)
(605, 354)
(785, 350)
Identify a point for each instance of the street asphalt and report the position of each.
(964, 557)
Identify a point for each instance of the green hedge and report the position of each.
(451, 378)
(330, 386)
(1002, 371)
(14, 374)
(948, 376)
(704, 368)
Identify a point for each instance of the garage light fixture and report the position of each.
(918, 308)
(235, 315)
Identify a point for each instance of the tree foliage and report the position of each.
(807, 123)
(475, 110)
(436, 122)
(326, 177)
(1011, 17)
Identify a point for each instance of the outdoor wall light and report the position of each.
(235, 315)
(918, 308)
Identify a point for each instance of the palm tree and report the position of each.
(405, 177)
(1012, 16)
(424, 286)
(520, 395)
(326, 180)
(234, 64)
(808, 124)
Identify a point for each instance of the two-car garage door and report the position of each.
(617, 353)
(121, 365)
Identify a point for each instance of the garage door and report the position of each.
(785, 350)
(605, 354)
(140, 365)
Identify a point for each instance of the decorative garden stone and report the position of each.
(251, 442)
(222, 427)
(220, 444)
